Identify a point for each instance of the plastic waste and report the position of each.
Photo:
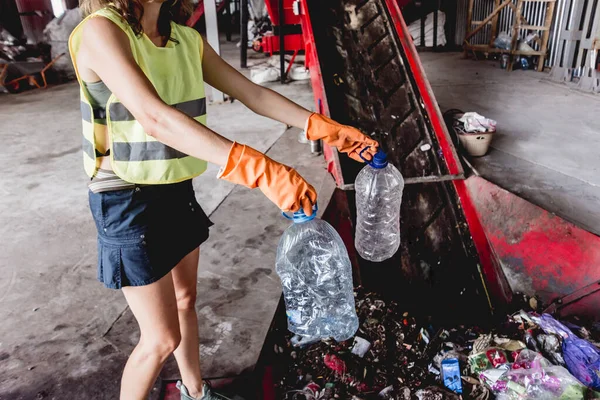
(299, 73)
(378, 187)
(509, 344)
(581, 357)
(451, 375)
(329, 392)
(533, 377)
(316, 275)
(474, 122)
(335, 363)
(523, 46)
(551, 348)
(264, 75)
(503, 41)
(387, 392)
(309, 392)
(435, 393)
(474, 389)
(361, 346)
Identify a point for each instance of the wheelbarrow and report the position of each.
(20, 75)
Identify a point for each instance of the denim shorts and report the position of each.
(145, 231)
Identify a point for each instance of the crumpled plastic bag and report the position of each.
(503, 41)
(533, 377)
(474, 389)
(581, 357)
(550, 345)
(264, 75)
(474, 122)
(545, 384)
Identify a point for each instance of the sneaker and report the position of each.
(209, 394)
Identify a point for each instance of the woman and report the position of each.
(142, 80)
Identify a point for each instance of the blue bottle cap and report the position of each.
(379, 160)
(299, 216)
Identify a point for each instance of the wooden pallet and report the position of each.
(519, 23)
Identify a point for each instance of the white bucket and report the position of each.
(476, 144)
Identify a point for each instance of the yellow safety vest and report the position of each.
(176, 73)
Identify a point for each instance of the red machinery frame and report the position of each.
(558, 260)
(294, 42)
(541, 253)
(490, 267)
(490, 264)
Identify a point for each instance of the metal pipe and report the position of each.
(480, 17)
(435, 28)
(502, 18)
(281, 41)
(244, 33)
(477, 16)
(543, 7)
(423, 18)
(558, 22)
(315, 147)
(212, 36)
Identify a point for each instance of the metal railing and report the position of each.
(578, 44)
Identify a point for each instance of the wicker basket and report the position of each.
(476, 144)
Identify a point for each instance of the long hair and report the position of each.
(131, 11)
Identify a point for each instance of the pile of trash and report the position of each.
(56, 34)
(14, 49)
(397, 356)
(504, 42)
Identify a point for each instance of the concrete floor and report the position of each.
(546, 148)
(65, 336)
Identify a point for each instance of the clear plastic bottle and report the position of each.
(378, 188)
(316, 274)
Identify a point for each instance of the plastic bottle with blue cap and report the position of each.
(316, 275)
(378, 186)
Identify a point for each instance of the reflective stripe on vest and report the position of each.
(140, 151)
(192, 108)
(176, 74)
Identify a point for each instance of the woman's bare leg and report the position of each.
(155, 309)
(185, 277)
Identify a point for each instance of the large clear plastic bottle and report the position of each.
(378, 188)
(316, 274)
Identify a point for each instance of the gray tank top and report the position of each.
(99, 94)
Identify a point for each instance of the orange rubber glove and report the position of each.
(346, 138)
(280, 183)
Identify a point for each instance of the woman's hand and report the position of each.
(346, 138)
(280, 183)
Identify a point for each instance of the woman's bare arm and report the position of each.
(108, 54)
(259, 99)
